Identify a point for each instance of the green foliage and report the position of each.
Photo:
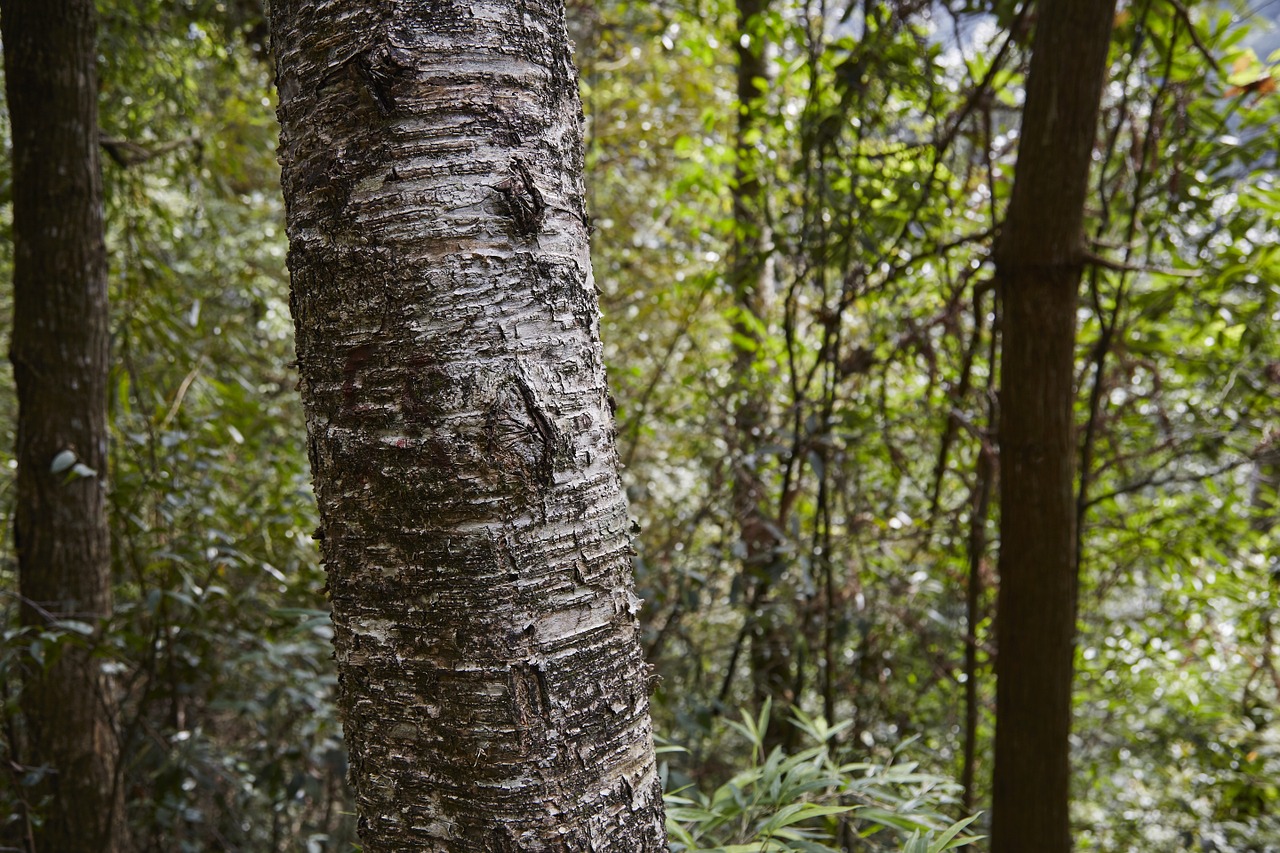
(806, 801)
(219, 648)
(887, 148)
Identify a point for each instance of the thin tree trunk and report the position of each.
(474, 525)
(979, 510)
(1266, 488)
(59, 353)
(1038, 266)
(770, 648)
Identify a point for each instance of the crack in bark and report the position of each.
(546, 430)
(379, 68)
(522, 200)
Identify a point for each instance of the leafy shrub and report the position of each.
(810, 801)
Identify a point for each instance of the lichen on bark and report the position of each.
(474, 526)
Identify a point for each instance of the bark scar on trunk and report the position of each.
(378, 68)
(375, 69)
(519, 434)
(546, 430)
(522, 201)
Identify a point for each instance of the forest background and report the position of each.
(868, 187)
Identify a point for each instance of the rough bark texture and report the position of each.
(474, 526)
(59, 355)
(1038, 266)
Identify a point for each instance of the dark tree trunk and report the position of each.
(771, 676)
(474, 525)
(59, 355)
(1038, 265)
(980, 508)
(1266, 488)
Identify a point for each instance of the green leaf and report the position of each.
(950, 839)
(797, 812)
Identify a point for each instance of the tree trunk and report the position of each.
(59, 352)
(474, 525)
(1265, 496)
(1038, 266)
(771, 676)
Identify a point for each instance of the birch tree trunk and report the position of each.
(59, 354)
(474, 526)
(1039, 261)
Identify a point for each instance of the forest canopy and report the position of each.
(796, 210)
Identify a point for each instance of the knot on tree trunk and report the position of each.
(522, 201)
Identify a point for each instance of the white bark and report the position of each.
(475, 528)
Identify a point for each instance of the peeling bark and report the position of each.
(474, 526)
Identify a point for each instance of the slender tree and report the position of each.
(1266, 487)
(748, 282)
(59, 352)
(474, 525)
(1039, 260)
